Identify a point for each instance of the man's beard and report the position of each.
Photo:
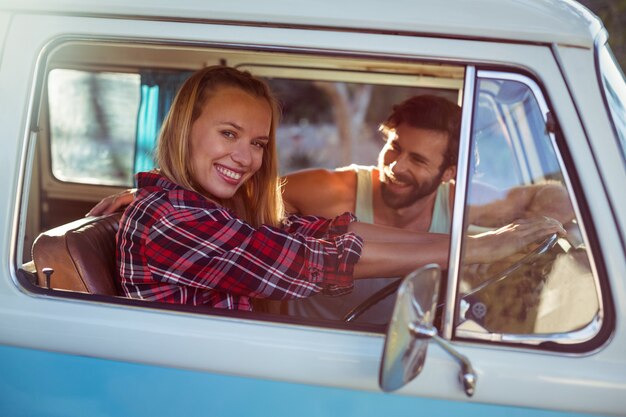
(409, 197)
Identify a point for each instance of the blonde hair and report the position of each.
(258, 201)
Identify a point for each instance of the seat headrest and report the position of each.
(81, 253)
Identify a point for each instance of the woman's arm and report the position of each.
(211, 249)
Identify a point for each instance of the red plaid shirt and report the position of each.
(175, 246)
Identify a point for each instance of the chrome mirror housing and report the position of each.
(411, 328)
(416, 303)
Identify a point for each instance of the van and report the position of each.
(84, 87)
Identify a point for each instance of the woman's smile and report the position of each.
(230, 176)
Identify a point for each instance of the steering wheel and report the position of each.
(372, 300)
(547, 244)
(386, 291)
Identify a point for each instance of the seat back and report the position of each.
(81, 255)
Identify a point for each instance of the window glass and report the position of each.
(615, 93)
(548, 287)
(93, 122)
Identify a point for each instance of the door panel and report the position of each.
(37, 383)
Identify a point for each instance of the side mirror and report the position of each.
(411, 328)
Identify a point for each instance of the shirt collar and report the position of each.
(152, 179)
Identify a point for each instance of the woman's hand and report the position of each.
(494, 245)
(113, 203)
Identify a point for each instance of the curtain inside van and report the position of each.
(158, 89)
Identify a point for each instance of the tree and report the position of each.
(350, 105)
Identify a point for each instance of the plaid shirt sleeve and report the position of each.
(211, 249)
(317, 226)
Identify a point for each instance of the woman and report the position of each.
(205, 229)
(208, 228)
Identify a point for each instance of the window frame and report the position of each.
(468, 91)
(597, 331)
(42, 115)
(602, 53)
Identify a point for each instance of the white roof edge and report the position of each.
(535, 21)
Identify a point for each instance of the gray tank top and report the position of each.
(335, 308)
(364, 207)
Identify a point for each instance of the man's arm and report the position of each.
(493, 208)
(389, 251)
(320, 192)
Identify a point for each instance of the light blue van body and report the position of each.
(69, 354)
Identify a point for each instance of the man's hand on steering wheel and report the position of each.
(515, 237)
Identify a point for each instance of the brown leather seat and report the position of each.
(81, 255)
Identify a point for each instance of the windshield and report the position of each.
(615, 92)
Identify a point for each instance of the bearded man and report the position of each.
(411, 188)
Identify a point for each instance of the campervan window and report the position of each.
(104, 102)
